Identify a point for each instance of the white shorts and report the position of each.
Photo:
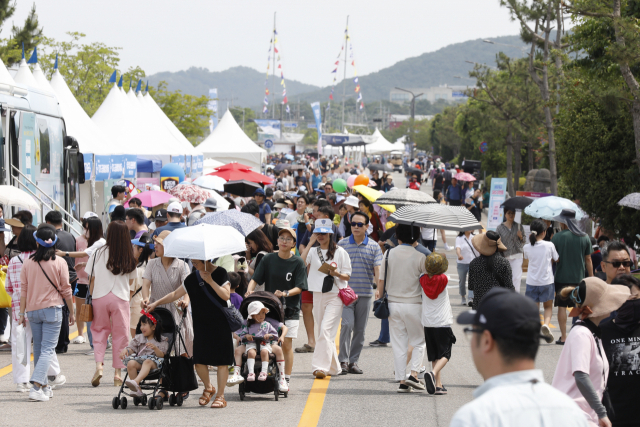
(253, 345)
(293, 328)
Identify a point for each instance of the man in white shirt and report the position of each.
(504, 338)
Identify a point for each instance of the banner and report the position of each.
(179, 160)
(130, 165)
(200, 161)
(103, 167)
(315, 106)
(497, 197)
(30, 151)
(88, 166)
(271, 127)
(213, 106)
(117, 166)
(187, 164)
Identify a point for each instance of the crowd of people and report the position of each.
(314, 245)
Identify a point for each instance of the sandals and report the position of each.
(251, 377)
(320, 374)
(117, 381)
(204, 398)
(262, 376)
(219, 403)
(95, 381)
(305, 349)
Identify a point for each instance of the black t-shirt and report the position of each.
(438, 180)
(67, 243)
(623, 353)
(271, 203)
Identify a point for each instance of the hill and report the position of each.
(246, 85)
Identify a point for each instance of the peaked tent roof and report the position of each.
(5, 76)
(228, 143)
(90, 137)
(380, 144)
(41, 80)
(24, 76)
(399, 144)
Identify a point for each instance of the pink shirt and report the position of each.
(580, 353)
(38, 290)
(81, 246)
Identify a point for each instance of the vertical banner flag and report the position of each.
(130, 165)
(88, 166)
(213, 106)
(103, 167)
(497, 197)
(117, 166)
(188, 164)
(315, 106)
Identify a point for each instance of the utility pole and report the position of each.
(273, 73)
(344, 79)
(413, 116)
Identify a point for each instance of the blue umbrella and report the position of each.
(242, 222)
(289, 157)
(550, 207)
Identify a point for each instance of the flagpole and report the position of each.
(273, 88)
(344, 79)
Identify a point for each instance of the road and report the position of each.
(369, 399)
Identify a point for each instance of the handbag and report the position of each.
(86, 309)
(329, 281)
(347, 295)
(22, 346)
(233, 316)
(381, 306)
(5, 298)
(179, 370)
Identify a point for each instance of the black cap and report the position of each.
(503, 312)
(160, 215)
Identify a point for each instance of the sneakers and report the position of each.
(234, 379)
(470, 303)
(404, 389)
(305, 349)
(413, 382)
(430, 383)
(283, 385)
(22, 387)
(262, 376)
(37, 395)
(546, 334)
(463, 300)
(251, 377)
(320, 374)
(57, 380)
(48, 391)
(441, 390)
(447, 247)
(378, 343)
(78, 340)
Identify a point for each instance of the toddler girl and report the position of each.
(145, 352)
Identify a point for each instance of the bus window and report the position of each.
(43, 147)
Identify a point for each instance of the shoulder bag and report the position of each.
(233, 316)
(381, 306)
(328, 282)
(86, 309)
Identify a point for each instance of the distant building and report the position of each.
(395, 120)
(431, 94)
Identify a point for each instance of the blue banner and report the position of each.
(200, 163)
(179, 160)
(130, 165)
(88, 166)
(315, 106)
(103, 167)
(117, 166)
(188, 164)
(335, 139)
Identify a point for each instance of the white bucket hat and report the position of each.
(255, 308)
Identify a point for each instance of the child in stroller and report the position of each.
(268, 332)
(145, 352)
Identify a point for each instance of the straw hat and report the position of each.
(599, 296)
(160, 237)
(486, 246)
(436, 263)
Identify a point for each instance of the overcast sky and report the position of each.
(162, 35)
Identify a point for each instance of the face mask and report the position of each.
(629, 315)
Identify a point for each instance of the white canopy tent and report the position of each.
(5, 76)
(399, 144)
(380, 144)
(24, 75)
(228, 143)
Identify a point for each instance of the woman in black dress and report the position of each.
(490, 269)
(212, 342)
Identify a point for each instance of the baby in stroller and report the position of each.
(145, 352)
(258, 328)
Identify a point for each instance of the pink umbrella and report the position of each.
(189, 193)
(466, 177)
(150, 199)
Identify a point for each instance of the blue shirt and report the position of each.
(171, 226)
(364, 257)
(315, 180)
(264, 210)
(455, 192)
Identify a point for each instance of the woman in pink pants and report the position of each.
(111, 269)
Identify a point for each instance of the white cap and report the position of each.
(352, 201)
(255, 308)
(174, 207)
(89, 214)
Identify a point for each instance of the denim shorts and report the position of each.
(542, 293)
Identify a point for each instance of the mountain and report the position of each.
(246, 85)
(238, 85)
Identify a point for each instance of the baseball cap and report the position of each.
(174, 207)
(89, 214)
(259, 192)
(161, 215)
(143, 240)
(352, 201)
(289, 230)
(255, 308)
(211, 203)
(503, 313)
(2, 226)
(323, 226)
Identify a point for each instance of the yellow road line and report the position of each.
(9, 368)
(315, 401)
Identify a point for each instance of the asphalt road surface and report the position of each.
(368, 399)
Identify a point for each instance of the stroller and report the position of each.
(275, 316)
(157, 376)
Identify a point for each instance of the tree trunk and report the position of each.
(530, 156)
(510, 165)
(518, 164)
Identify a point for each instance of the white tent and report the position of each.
(41, 80)
(150, 104)
(380, 144)
(5, 76)
(228, 143)
(24, 76)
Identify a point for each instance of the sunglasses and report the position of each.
(358, 224)
(617, 264)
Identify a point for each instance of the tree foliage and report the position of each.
(27, 35)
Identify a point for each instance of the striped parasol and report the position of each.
(437, 216)
(404, 197)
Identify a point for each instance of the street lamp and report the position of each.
(477, 63)
(413, 114)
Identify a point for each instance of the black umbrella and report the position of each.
(378, 167)
(517, 203)
(282, 166)
(297, 167)
(414, 170)
(241, 188)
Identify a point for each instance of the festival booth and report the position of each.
(228, 143)
(380, 144)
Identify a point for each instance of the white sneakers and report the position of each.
(463, 301)
(48, 391)
(58, 380)
(546, 333)
(39, 395)
(22, 387)
(234, 379)
(78, 340)
(447, 247)
(282, 383)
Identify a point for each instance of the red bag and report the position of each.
(347, 295)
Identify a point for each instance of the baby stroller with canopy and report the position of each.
(158, 378)
(275, 316)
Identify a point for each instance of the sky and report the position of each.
(162, 35)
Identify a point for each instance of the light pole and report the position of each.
(413, 115)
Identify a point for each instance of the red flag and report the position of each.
(266, 92)
(279, 66)
(275, 49)
(353, 63)
(337, 62)
(331, 96)
(284, 101)
(357, 88)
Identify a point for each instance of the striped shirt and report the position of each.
(510, 238)
(364, 257)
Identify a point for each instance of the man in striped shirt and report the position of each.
(366, 257)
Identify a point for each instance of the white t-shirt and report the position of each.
(540, 256)
(315, 279)
(437, 313)
(105, 281)
(466, 249)
(96, 245)
(429, 234)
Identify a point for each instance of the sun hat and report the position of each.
(89, 214)
(211, 203)
(323, 226)
(280, 205)
(352, 201)
(14, 222)
(143, 240)
(436, 263)
(161, 215)
(255, 308)
(289, 230)
(278, 195)
(174, 207)
(160, 237)
(283, 223)
(486, 246)
(568, 217)
(601, 298)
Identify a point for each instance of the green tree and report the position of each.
(29, 34)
